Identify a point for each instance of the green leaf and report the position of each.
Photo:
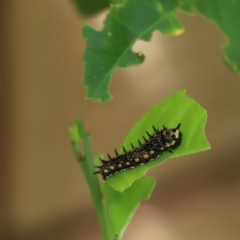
(121, 206)
(177, 108)
(111, 47)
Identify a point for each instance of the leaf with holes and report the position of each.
(111, 47)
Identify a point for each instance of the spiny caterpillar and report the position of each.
(160, 141)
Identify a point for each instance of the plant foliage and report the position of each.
(121, 194)
(134, 20)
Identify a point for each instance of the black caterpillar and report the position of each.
(160, 141)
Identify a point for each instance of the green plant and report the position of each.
(117, 198)
(110, 48)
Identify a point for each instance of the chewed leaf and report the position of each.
(177, 108)
(111, 48)
(134, 20)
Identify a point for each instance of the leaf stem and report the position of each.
(88, 168)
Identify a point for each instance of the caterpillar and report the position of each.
(160, 141)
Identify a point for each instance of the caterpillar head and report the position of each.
(175, 136)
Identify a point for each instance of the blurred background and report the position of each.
(44, 195)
